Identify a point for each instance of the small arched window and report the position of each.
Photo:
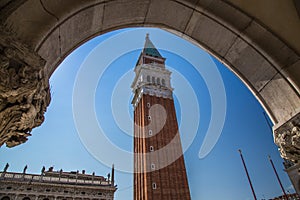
(163, 82)
(154, 186)
(26, 198)
(5, 198)
(158, 81)
(150, 132)
(152, 166)
(153, 79)
(148, 79)
(151, 148)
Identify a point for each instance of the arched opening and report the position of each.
(158, 81)
(5, 198)
(240, 129)
(266, 64)
(153, 79)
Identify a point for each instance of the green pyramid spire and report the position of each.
(149, 48)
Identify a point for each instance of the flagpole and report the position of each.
(271, 161)
(247, 175)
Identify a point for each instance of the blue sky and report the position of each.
(69, 141)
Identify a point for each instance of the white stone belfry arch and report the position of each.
(258, 40)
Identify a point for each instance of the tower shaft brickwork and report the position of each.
(160, 172)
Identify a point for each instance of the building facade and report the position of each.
(294, 196)
(293, 171)
(55, 185)
(158, 159)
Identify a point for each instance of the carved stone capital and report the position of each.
(287, 138)
(24, 91)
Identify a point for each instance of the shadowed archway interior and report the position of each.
(258, 41)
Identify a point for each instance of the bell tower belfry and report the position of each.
(159, 169)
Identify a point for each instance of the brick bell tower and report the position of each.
(159, 167)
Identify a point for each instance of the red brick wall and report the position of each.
(171, 181)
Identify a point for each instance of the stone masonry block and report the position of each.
(281, 99)
(117, 13)
(249, 63)
(213, 35)
(274, 49)
(80, 27)
(173, 14)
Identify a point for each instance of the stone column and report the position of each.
(287, 137)
(293, 172)
(24, 90)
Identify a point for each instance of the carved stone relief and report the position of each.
(24, 91)
(287, 137)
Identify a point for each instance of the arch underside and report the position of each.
(265, 62)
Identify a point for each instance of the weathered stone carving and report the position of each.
(24, 91)
(287, 137)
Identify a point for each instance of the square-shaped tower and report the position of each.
(159, 169)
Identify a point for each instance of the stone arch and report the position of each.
(5, 198)
(254, 47)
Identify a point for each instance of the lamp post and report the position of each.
(271, 161)
(247, 174)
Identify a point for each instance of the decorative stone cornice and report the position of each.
(287, 137)
(158, 91)
(148, 69)
(24, 91)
